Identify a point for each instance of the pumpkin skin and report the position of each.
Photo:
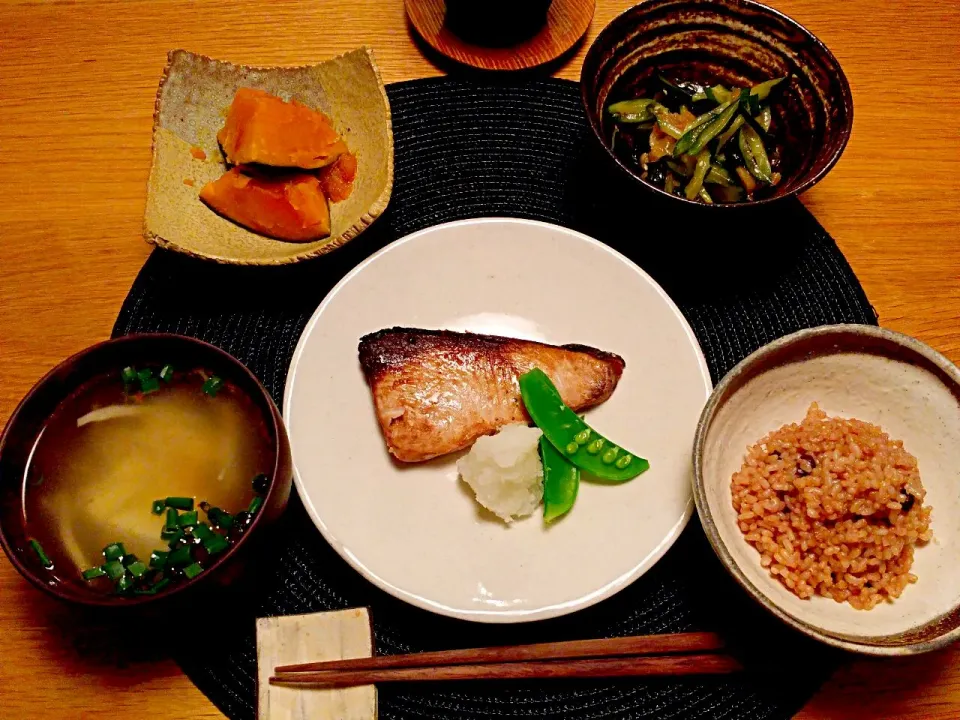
(261, 128)
(288, 207)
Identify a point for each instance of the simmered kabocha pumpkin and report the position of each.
(286, 207)
(262, 128)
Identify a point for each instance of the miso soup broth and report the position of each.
(109, 451)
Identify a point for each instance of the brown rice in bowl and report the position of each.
(834, 506)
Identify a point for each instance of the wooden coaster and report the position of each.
(289, 639)
(567, 21)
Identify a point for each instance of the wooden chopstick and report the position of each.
(569, 650)
(675, 654)
(629, 666)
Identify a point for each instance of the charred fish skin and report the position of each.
(437, 391)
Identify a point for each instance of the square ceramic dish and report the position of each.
(192, 102)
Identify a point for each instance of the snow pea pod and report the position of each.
(580, 444)
(561, 481)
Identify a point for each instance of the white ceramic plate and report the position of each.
(415, 531)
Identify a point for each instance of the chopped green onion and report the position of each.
(180, 503)
(157, 507)
(220, 518)
(183, 555)
(188, 519)
(124, 583)
(114, 551)
(137, 569)
(128, 560)
(41, 555)
(158, 559)
(191, 571)
(93, 572)
(160, 584)
(114, 570)
(129, 375)
(215, 544)
(144, 374)
(175, 535)
(149, 385)
(166, 374)
(173, 521)
(255, 505)
(212, 386)
(202, 531)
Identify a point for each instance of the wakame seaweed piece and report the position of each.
(705, 128)
(260, 483)
(657, 172)
(212, 385)
(755, 155)
(632, 111)
(179, 503)
(92, 573)
(681, 90)
(114, 551)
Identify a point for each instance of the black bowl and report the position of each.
(736, 43)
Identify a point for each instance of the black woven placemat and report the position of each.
(485, 148)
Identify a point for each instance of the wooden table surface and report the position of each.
(77, 87)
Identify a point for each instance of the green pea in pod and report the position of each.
(580, 444)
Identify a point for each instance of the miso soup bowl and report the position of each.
(32, 413)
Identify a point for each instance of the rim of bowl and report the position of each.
(846, 96)
(706, 513)
(112, 601)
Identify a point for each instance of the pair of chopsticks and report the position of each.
(649, 655)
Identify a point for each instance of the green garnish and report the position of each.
(41, 555)
(128, 560)
(114, 551)
(160, 584)
(173, 520)
(114, 570)
(180, 503)
(188, 519)
(255, 505)
(215, 544)
(166, 373)
(172, 536)
(183, 555)
(202, 531)
(212, 386)
(561, 480)
(564, 429)
(157, 507)
(220, 518)
(191, 571)
(149, 385)
(158, 559)
(124, 583)
(129, 375)
(93, 572)
(137, 569)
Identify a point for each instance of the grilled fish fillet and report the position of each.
(436, 392)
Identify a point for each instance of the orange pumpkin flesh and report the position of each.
(337, 179)
(261, 128)
(291, 207)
